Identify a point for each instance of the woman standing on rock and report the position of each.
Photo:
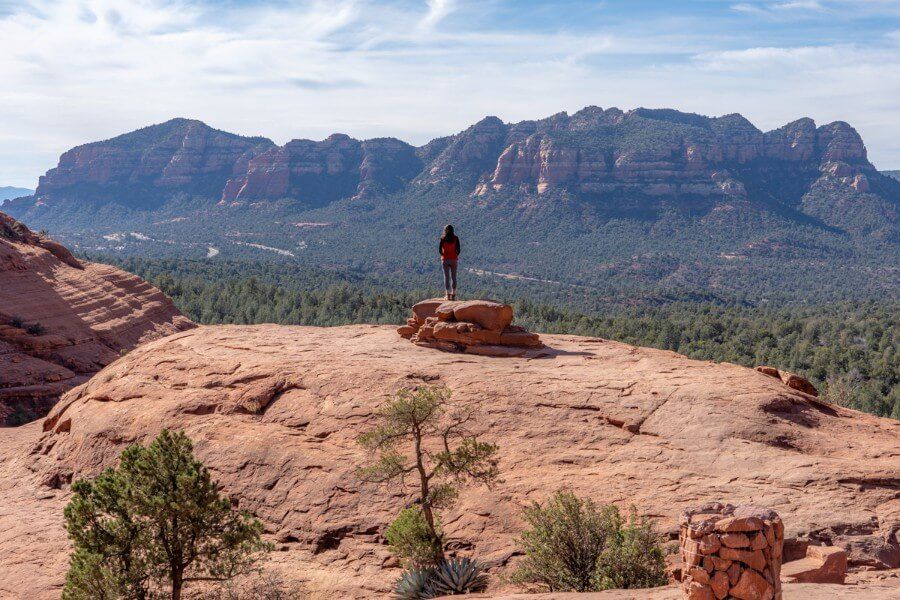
(449, 251)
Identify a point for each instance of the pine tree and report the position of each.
(157, 522)
(442, 452)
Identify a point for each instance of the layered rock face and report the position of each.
(61, 320)
(275, 412)
(317, 173)
(180, 155)
(656, 153)
(664, 153)
(474, 326)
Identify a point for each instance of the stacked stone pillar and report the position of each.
(731, 553)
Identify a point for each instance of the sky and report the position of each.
(74, 71)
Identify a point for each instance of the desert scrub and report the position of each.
(574, 545)
(411, 541)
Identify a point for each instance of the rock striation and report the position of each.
(275, 412)
(472, 326)
(61, 320)
(179, 156)
(667, 153)
(317, 173)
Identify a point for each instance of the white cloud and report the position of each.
(782, 9)
(76, 71)
(438, 10)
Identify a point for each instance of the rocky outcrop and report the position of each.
(317, 173)
(467, 154)
(61, 320)
(792, 380)
(474, 326)
(275, 412)
(822, 564)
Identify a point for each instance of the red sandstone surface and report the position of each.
(82, 317)
(275, 412)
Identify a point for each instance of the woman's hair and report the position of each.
(448, 233)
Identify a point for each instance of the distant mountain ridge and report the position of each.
(8, 192)
(678, 191)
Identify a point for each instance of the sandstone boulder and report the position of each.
(823, 564)
(493, 316)
(481, 327)
(792, 380)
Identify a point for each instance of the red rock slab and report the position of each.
(823, 564)
(275, 412)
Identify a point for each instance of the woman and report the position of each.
(449, 251)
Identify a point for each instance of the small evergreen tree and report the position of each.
(156, 522)
(420, 434)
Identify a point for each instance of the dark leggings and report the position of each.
(449, 275)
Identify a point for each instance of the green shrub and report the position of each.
(633, 559)
(574, 545)
(443, 454)
(17, 322)
(411, 540)
(35, 329)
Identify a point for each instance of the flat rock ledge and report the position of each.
(481, 327)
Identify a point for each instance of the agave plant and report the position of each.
(457, 576)
(415, 584)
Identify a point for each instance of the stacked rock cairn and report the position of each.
(473, 326)
(731, 552)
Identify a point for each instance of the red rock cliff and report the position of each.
(61, 320)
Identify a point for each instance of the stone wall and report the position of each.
(731, 552)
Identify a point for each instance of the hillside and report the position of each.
(62, 320)
(608, 199)
(275, 412)
(9, 192)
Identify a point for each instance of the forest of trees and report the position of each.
(849, 350)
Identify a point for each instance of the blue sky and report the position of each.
(80, 70)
